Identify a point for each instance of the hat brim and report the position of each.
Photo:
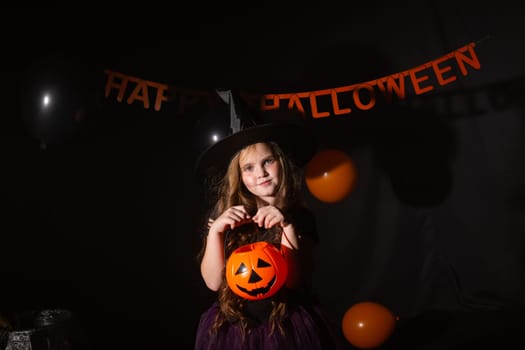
(296, 140)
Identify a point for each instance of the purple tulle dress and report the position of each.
(306, 328)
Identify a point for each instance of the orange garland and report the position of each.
(420, 80)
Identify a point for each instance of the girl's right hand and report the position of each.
(231, 218)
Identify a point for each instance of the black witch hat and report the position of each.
(246, 128)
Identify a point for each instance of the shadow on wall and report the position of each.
(415, 148)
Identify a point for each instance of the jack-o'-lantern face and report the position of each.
(256, 271)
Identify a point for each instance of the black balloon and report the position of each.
(52, 99)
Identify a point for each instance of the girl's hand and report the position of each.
(229, 219)
(268, 217)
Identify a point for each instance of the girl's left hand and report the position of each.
(268, 217)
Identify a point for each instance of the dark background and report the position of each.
(99, 206)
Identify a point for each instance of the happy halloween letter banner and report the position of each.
(335, 101)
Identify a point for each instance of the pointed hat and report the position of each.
(295, 138)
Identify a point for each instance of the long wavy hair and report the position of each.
(229, 191)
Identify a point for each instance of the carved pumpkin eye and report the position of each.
(242, 269)
(256, 271)
(262, 263)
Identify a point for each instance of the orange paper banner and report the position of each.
(340, 100)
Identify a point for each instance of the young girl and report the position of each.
(258, 199)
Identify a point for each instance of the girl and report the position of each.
(258, 199)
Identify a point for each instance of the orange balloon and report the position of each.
(330, 175)
(367, 324)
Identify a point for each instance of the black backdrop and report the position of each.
(99, 212)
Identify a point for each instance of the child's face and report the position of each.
(260, 171)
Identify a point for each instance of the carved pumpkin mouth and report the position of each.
(260, 290)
